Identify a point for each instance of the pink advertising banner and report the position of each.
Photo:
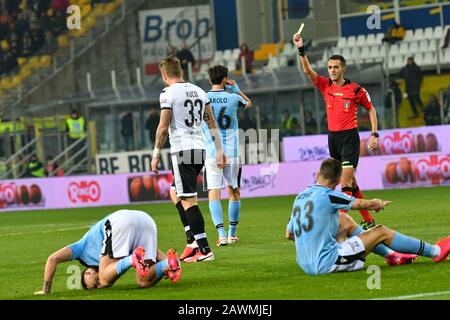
(395, 141)
(63, 192)
(374, 173)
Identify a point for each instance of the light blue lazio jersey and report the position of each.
(315, 223)
(89, 248)
(225, 106)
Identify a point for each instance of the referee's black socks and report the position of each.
(197, 223)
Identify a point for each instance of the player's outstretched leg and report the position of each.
(444, 244)
(405, 244)
(392, 258)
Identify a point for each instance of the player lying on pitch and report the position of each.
(327, 242)
(112, 246)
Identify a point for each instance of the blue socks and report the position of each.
(215, 207)
(380, 249)
(123, 265)
(405, 244)
(161, 267)
(234, 212)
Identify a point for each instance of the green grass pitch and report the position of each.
(261, 266)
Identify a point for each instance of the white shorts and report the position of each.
(216, 178)
(351, 255)
(125, 230)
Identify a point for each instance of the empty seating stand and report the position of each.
(422, 44)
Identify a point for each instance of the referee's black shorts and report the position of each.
(344, 146)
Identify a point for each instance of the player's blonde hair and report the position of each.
(171, 67)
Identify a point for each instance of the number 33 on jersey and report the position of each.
(187, 101)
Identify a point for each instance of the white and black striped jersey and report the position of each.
(188, 102)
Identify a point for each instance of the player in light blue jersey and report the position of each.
(315, 228)
(226, 101)
(123, 239)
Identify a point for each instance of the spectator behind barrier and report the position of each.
(248, 55)
(52, 166)
(310, 123)
(35, 168)
(431, 113)
(395, 33)
(413, 81)
(185, 55)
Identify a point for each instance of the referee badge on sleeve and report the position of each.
(346, 106)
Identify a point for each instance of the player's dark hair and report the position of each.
(338, 57)
(331, 170)
(171, 66)
(83, 284)
(217, 73)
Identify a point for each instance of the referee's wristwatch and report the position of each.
(375, 134)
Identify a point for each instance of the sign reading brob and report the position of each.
(171, 27)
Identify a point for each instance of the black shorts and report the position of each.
(344, 146)
(186, 166)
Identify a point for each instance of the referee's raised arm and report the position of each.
(298, 41)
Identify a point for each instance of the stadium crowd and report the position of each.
(30, 27)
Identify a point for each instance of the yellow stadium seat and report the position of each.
(84, 1)
(63, 41)
(79, 33)
(6, 83)
(259, 55)
(5, 45)
(45, 61)
(85, 9)
(16, 81)
(34, 62)
(26, 71)
(99, 9)
(22, 61)
(117, 3)
(271, 48)
(89, 21)
(110, 7)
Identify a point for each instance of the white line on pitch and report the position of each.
(419, 295)
(57, 230)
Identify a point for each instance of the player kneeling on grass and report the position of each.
(112, 246)
(317, 228)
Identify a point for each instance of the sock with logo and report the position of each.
(234, 213)
(197, 223)
(215, 207)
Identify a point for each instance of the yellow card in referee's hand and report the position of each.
(299, 32)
